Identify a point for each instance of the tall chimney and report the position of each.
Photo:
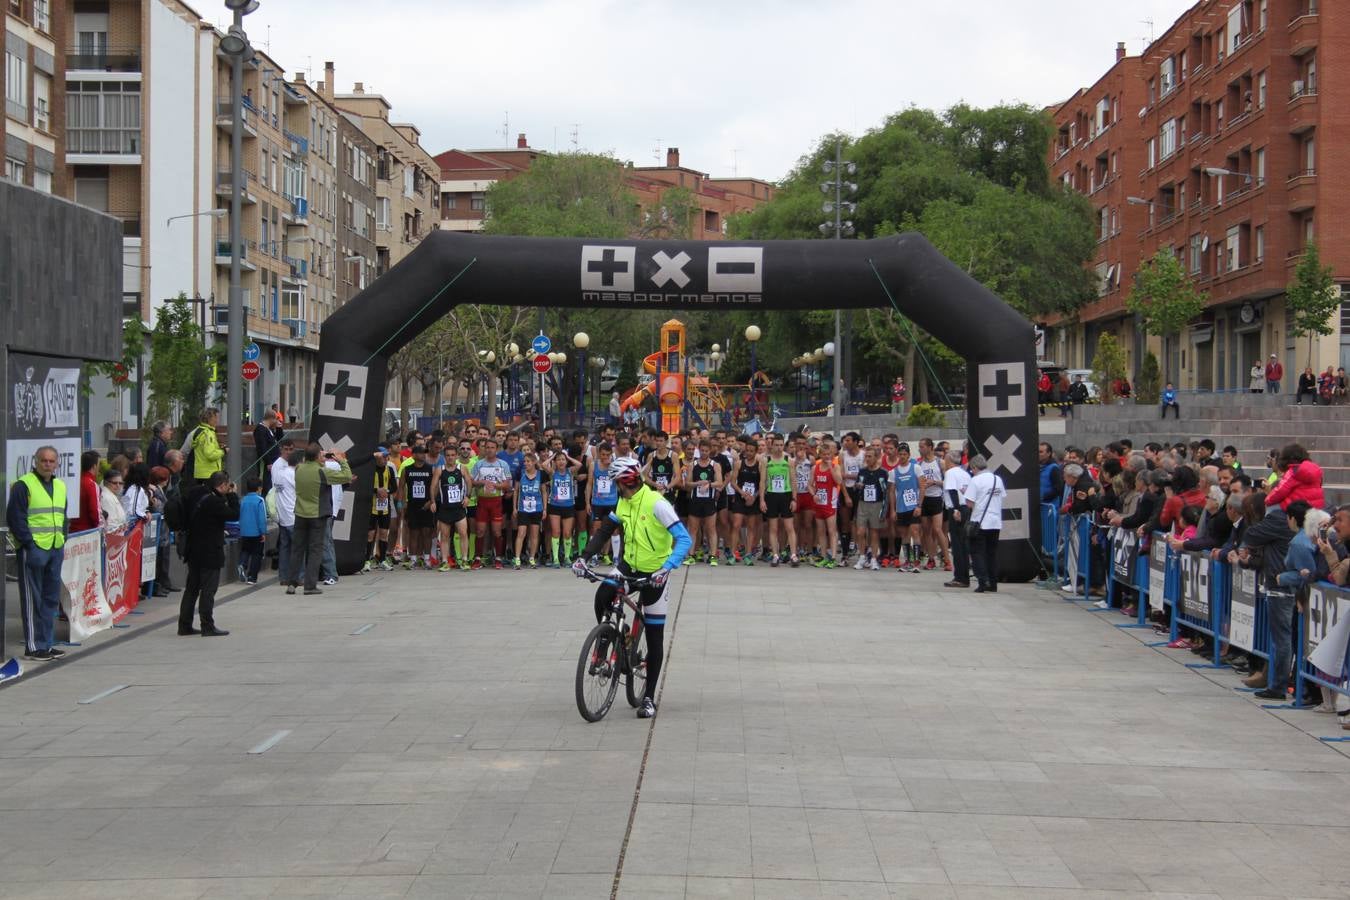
(1120, 51)
(359, 88)
(672, 157)
(521, 143)
(328, 80)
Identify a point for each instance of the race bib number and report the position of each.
(419, 490)
(703, 489)
(778, 484)
(870, 493)
(454, 494)
(529, 503)
(911, 497)
(382, 505)
(662, 481)
(563, 491)
(602, 484)
(749, 489)
(822, 497)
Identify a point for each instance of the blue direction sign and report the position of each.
(252, 351)
(541, 344)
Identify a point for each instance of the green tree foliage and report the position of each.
(1108, 365)
(924, 416)
(180, 367)
(121, 370)
(570, 195)
(1312, 298)
(975, 183)
(1148, 388)
(1163, 296)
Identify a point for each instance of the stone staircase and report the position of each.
(1253, 423)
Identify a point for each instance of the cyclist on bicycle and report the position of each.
(655, 544)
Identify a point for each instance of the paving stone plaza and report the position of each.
(842, 734)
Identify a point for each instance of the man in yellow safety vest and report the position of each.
(36, 515)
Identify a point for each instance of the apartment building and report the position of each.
(407, 199)
(466, 176)
(1243, 129)
(33, 105)
(356, 204)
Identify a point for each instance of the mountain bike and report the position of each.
(613, 649)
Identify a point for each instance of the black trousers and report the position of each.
(199, 594)
(307, 537)
(956, 534)
(984, 557)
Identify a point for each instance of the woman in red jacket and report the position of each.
(90, 516)
(1302, 480)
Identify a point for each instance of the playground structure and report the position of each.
(680, 393)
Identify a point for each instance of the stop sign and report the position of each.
(250, 370)
(542, 363)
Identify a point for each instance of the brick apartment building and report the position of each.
(466, 176)
(1226, 142)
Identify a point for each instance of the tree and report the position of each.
(180, 367)
(1312, 298)
(1149, 384)
(1108, 365)
(1164, 298)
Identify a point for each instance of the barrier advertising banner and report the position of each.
(1194, 585)
(124, 571)
(1124, 554)
(82, 597)
(1328, 630)
(1242, 614)
(44, 410)
(1157, 572)
(150, 547)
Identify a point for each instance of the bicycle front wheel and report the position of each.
(598, 672)
(636, 668)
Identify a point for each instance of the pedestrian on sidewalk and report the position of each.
(36, 515)
(1169, 401)
(1257, 382)
(209, 507)
(984, 500)
(313, 509)
(252, 530)
(1274, 374)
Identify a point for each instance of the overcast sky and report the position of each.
(740, 86)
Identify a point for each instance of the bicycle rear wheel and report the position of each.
(635, 684)
(598, 672)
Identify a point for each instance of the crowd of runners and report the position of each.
(476, 498)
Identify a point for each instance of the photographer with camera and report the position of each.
(313, 508)
(208, 507)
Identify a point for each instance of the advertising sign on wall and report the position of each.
(44, 405)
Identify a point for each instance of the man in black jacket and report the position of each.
(1269, 540)
(267, 446)
(208, 508)
(154, 454)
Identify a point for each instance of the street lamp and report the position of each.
(235, 45)
(212, 213)
(839, 167)
(597, 363)
(581, 340)
(752, 334)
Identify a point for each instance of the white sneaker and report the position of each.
(1068, 589)
(1102, 604)
(860, 564)
(329, 582)
(874, 566)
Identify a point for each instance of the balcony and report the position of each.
(1303, 31)
(1303, 107)
(299, 270)
(224, 256)
(293, 96)
(131, 222)
(1301, 189)
(103, 146)
(225, 119)
(296, 146)
(224, 186)
(103, 59)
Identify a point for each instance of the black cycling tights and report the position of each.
(655, 634)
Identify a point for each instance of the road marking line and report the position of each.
(270, 742)
(108, 693)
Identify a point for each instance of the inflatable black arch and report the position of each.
(450, 269)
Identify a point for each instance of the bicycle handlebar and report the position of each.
(592, 575)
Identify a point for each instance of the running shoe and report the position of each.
(931, 564)
(647, 709)
(874, 566)
(444, 567)
(515, 563)
(534, 563)
(497, 564)
(947, 566)
(370, 564)
(773, 560)
(794, 561)
(476, 564)
(386, 565)
(1180, 643)
(1129, 610)
(860, 564)
(550, 564)
(749, 559)
(243, 576)
(689, 560)
(712, 560)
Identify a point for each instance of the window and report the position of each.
(1310, 156)
(14, 169)
(407, 181)
(1261, 91)
(91, 33)
(1103, 114)
(16, 86)
(42, 86)
(1167, 75)
(1103, 224)
(1197, 254)
(1262, 14)
(42, 15)
(476, 200)
(1234, 30)
(42, 181)
(382, 211)
(1259, 166)
(103, 117)
(1152, 152)
(1167, 139)
(448, 201)
(1259, 243)
(92, 192)
(1308, 233)
(1232, 248)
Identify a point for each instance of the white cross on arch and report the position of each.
(1003, 453)
(671, 269)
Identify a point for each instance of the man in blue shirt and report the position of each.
(1169, 401)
